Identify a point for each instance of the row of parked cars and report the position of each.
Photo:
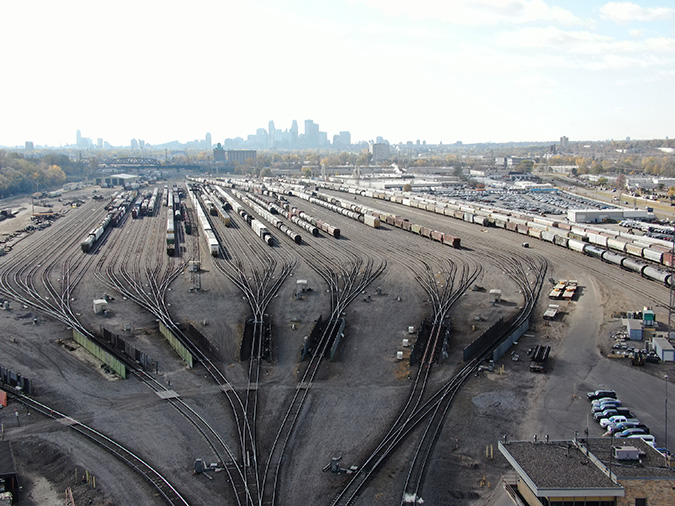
(618, 420)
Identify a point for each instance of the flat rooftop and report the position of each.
(558, 465)
(6, 459)
(566, 468)
(652, 463)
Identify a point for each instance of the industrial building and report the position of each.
(117, 180)
(663, 349)
(240, 156)
(605, 215)
(592, 472)
(379, 150)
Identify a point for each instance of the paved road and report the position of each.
(578, 367)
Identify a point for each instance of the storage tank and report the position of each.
(576, 245)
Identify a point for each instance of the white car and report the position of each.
(605, 422)
(647, 438)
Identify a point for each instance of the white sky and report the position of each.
(435, 70)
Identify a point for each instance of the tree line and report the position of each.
(19, 174)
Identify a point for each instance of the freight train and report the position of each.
(647, 256)
(170, 236)
(204, 224)
(641, 254)
(270, 218)
(117, 209)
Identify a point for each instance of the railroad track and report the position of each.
(345, 277)
(259, 274)
(56, 304)
(154, 478)
(519, 270)
(435, 408)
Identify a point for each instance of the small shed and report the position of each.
(648, 317)
(9, 482)
(301, 285)
(100, 305)
(664, 349)
(634, 329)
(495, 295)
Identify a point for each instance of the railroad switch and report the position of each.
(201, 467)
(335, 468)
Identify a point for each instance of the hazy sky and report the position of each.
(435, 70)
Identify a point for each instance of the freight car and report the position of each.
(95, 234)
(593, 241)
(170, 236)
(211, 241)
(262, 231)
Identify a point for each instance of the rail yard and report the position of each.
(281, 342)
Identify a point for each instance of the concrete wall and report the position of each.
(528, 495)
(659, 492)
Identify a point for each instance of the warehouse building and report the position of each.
(117, 180)
(605, 215)
(593, 472)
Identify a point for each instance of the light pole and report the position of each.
(666, 379)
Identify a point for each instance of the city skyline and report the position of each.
(529, 70)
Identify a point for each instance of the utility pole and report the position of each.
(666, 378)
(672, 288)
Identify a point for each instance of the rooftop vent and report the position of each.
(625, 453)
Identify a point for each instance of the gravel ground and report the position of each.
(351, 403)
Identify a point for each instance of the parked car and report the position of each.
(614, 428)
(605, 414)
(625, 412)
(612, 419)
(629, 432)
(601, 393)
(605, 399)
(604, 406)
(647, 438)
